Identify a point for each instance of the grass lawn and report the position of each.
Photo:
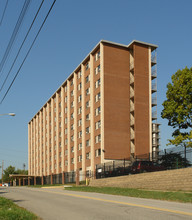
(178, 196)
(10, 211)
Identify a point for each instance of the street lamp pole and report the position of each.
(10, 114)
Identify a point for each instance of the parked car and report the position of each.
(145, 166)
(5, 184)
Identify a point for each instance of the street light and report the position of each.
(10, 114)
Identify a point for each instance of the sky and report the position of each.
(71, 31)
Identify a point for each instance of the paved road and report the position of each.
(56, 203)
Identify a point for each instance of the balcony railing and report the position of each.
(154, 115)
(132, 135)
(154, 87)
(132, 108)
(131, 79)
(131, 65)
(153, 59)
(154, 101)
(132, 121)
(154, 73)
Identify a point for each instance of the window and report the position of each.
(59, 114)
(65, 130)
(98, 139)
(98, 111)
(97, 83)
(80, 158)
(87, 130)
(72, 160)
(65, 120)
(87, 104)
(66, 152)
(72, 149)
(71, 127)
(79, 86)
(72, 104)
(87, 117)
(80, 146)
(60, 154)
(66, 141)
(98, 152)
(59, 104)
(60, 144)
(97, 56)
(65, 109)
(65, 88)
(80, 122)
(87, 66)
(97, 125)
(79, 98)
(87, 156)
(79, 110)
(97, 70)
(72, 93)
(87, 79)
(87, 143)
(87, 92)
(66, 162)
(72, 116)
(97, 97)
(79, 134)
(79, 75)
(71, 82)
(72, 138)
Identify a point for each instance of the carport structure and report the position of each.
(22, 179)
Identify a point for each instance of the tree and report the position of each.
(178, 107)
(7, 171)
(174, 160)
(11, 170)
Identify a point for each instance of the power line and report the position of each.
(28, 52)
(21, 45)
(4, 12)
(14, 34)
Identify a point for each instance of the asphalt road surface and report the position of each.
(57, 203)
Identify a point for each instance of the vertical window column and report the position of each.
(75, 121)
(40, 142)
(57, 133)
(52, 135)
(102, 100)
(68, 125)
(44, 144)
(62, 129)
(92, 139)
(83, 118)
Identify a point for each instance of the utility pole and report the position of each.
(2, 174)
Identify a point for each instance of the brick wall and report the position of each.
(180, 179)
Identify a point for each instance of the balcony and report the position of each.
(132, 121)
(154, 101)
(154, 115)
(131, 93)
(132, 135)
(131, 79)
(153, 74)
(132, 108)
(153, 59)
(154, 87)
(131, 66)
(155, 128)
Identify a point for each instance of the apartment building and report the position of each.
(105, 110)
